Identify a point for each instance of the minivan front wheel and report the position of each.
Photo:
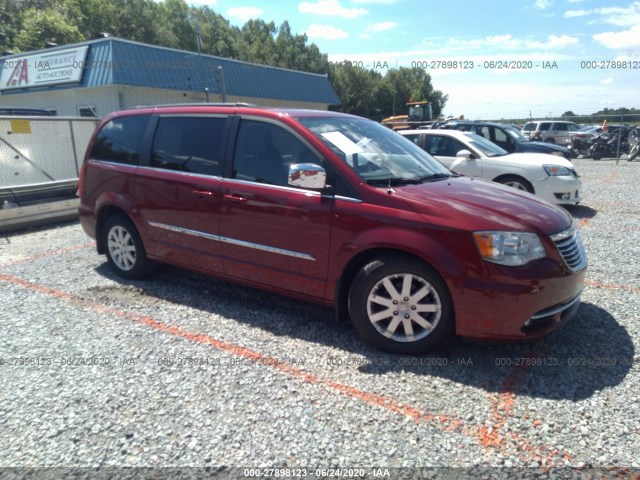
(399, 305)
(125, 252)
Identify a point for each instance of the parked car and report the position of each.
(550, 177)
(333, 209)
(556, 131)
(508, 137)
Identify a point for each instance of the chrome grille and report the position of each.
(571, 248)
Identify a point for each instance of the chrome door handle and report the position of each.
(235, 198)
(203, 192)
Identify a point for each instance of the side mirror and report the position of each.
(464, 155)
(307, 175)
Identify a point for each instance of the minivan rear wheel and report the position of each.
(400, 305)
(124, 248)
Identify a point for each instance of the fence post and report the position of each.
(73, 145)
(619, 139)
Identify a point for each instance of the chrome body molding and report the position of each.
(557, 309)
(347, 199)
(233, 241)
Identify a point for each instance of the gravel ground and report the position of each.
(186, 371)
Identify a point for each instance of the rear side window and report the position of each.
(414, 138)
(561, 127)
(500, 136)
(120, 140)
(443, 146)
(544, 126)
(484, 132)
(189, 144)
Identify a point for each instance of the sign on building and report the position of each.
(48, 68)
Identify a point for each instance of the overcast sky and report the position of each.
(578, 41)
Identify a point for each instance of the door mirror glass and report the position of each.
(307, 175)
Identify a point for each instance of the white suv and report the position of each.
(558, 132)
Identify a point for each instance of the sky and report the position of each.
(493, 58)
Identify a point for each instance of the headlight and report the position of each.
(556, 170)
(509, 248)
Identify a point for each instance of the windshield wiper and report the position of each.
(393, 181)
(439, 176)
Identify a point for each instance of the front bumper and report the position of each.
(508, 308)
(564, 190)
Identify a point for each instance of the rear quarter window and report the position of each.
(120, 140)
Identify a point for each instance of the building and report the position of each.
(100, 76)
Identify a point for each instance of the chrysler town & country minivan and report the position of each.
(333, 209)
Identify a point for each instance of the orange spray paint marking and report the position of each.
(546, 455)
(49, 253)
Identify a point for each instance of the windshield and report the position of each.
(515, 134)
(376, 153)
(488, 148)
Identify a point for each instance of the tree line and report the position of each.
(27, 25)
(609, 114)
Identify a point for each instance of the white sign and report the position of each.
(48, 68)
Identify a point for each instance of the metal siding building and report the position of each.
(117, 74)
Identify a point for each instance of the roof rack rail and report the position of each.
(201, 104)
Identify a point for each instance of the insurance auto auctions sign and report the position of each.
(48, 68)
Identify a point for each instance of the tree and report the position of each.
(218, 37)
(370, 94)
(355, 86)
(256, 43)
(174, 27)
(414, 84)
(42, 26)
(293, 52)
(97, 16)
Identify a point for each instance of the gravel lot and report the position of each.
(186, 371)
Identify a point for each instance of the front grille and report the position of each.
(571, 248)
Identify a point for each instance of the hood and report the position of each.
(472, 204)
(534, 146)
(533, 159)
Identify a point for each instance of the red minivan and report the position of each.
(333, 209)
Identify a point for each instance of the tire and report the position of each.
(633, 153)
(518, 183)
(125, 251)
(399, 305)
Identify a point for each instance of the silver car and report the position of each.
(551, 131)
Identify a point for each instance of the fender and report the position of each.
(432, 250)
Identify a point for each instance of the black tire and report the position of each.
(633, 153)
(124, 249)
(516, 182)
(427, 329)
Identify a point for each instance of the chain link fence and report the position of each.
(40, 157)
